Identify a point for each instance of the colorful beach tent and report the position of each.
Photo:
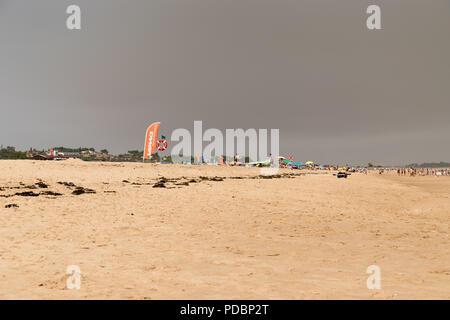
(291, 163)
(309, 162)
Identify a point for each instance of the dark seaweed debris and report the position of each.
(159, 184)
(212, 178)
(41, 185)
(67, 184)
(50, 193)
(12, 205)
(32, 194)
(162, 181)
(140, 184)
(27, 194)
(81, 190)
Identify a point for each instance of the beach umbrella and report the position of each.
(309, 162)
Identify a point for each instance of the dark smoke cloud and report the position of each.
(337, 91)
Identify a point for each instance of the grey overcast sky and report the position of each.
(337, 91)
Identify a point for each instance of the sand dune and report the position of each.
(205, 233)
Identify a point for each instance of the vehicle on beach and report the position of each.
(342, 174)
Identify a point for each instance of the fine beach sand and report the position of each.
(303, 237)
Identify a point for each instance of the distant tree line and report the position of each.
(430, 165)
(73, 150)
(11, 153)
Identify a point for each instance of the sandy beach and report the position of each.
(210, 232)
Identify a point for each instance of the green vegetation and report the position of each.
(131, 156)
(155, 157)
(86, 154)
(11, 153)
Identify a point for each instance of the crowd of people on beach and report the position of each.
(289, 164)
(422, 172)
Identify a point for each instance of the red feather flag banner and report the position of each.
(151, 136)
